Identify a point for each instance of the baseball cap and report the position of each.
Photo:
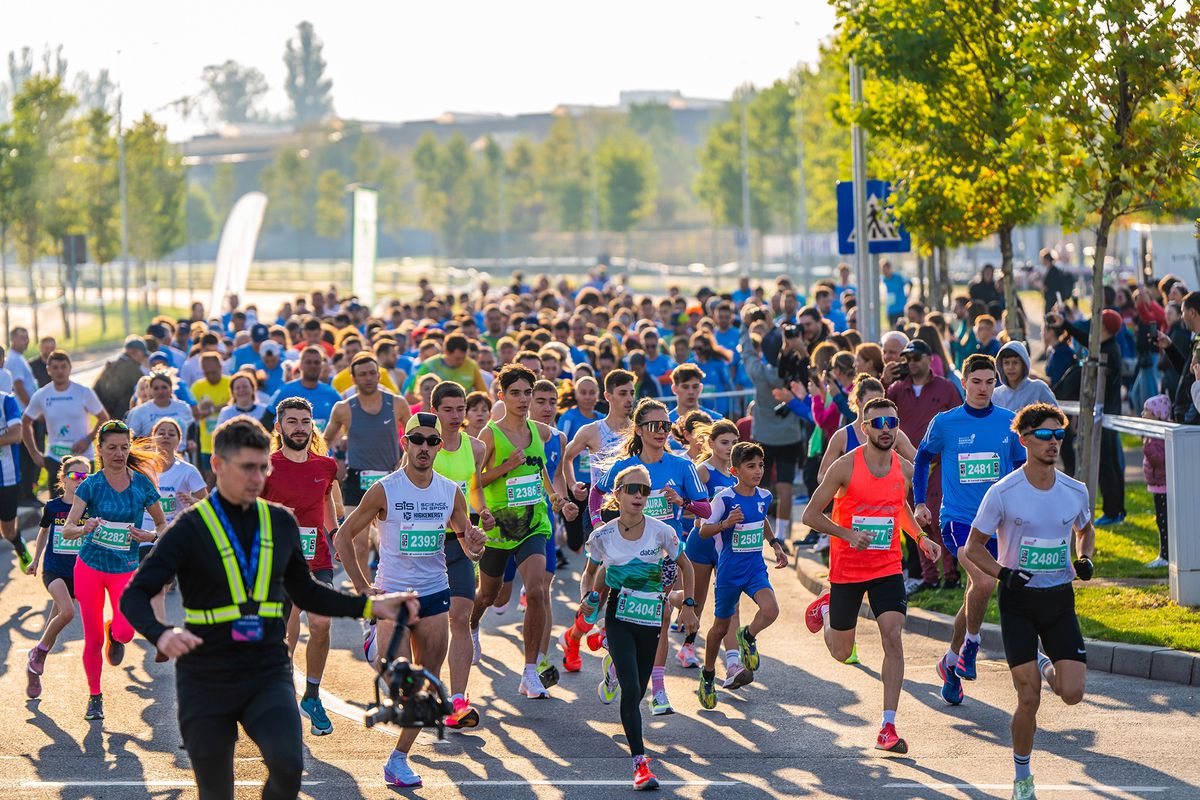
(136, 343)
(1111, 320)
(270, 348)
(158, 331)
(917, 347)
(159, 355)
(423, 419)
(260, 333)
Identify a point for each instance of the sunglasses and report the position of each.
(1045, 434)
(77, 476)
(884, 423)
(113, 425)
(636, 488)
(656, 426)
(433, 440)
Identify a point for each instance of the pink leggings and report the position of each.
(90, 586)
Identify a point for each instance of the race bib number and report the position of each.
(369, 477)
(465, 488)
(168, 505)
(640, 608)
(210, 424)
(978, 467)
(112, 535)
(64, 546)
(320, 424)
(658, 507)
(1043, 555)
(585, 461)
(879, 528)
(60, 450)
(523, 491)
(748, 537)
(421, 543)
(308, 543)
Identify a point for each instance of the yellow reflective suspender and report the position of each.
(233, 573)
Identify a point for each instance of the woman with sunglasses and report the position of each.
(58, 567)
(633, 552)
(114, 500)
(675, 488)
(180, 486)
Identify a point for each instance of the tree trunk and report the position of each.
(944, 287)
(1012, 323)
(1090, 390)
(37, 334)
(921, 293)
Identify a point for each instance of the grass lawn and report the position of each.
(1123, 550)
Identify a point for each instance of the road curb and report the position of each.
(1119, 658)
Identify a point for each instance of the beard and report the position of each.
(291, 443)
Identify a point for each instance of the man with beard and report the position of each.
(302, 480)
(869, 491)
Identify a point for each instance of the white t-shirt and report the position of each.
(230, 411)
(141, 418)
(66, 415)
(6, 384)
(635, 564)
(412, 540)
(181, 477)
(1034, 529)
(19, 368)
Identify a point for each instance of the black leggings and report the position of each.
(578, 528)
(1160, 516)
(208, 718)
(632, 648)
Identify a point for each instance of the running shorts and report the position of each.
(700, 550)
(725, 598)
(494, 559)
(884, 594)
(1027, 615)
(50, 577)
(955, 535)
(459, 569)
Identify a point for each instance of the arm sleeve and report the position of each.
(930, 446)
(595, 500)
(716, 509)
(802, 408)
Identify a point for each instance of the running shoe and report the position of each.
(822, 544)
(596, 640)
(464, 716)
(643, 778)
(747, 648)
(659, 704)
(476, 649)
(707, 693)
(24, 558)
(522, 601)
(311, 707)
(890, 741)
(548, 676)
(1115, 519)
(676, 627)
(808, 541)
(33, 684)
(397, 772)
(37, 660)
(965, 668)
(737, 676)
(687, 656)
(561, 560)
(1158, 562)
(114, 651)
(369, 651)
(952, 688)
(814, 617)
(1023, 789)
(570, 647)
(534, 691)
(95, 707)
(608, 688)
(499, 610)
(853, 659)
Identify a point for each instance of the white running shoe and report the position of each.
(476, 648)
(1158, 562)
(533, 689)
(660, 704)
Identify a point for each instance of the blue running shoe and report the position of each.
(965, 668)
(952, 690)
(311, 707)
(397, 772)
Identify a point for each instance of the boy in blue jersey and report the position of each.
(687, 381)
(977, 446)
(739, 521)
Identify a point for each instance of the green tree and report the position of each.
(449, 189)
(308, 88)
(625, 177)
(289, 184)
(562, 171)
(156, 192)
(719, 182)
(1129, 125)
(236, 90)
(330, 210)
(224, 190)
(523, 197)
(201, 221)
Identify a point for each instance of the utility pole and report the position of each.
(747, 247)
(865, 274)
(124, 217)
(801, 196)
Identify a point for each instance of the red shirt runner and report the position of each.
(874, 505)
(303, 487)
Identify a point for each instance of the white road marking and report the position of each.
(1051, 787)
(148, 784)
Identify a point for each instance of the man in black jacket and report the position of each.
(1183, 410)
(233, 663)
(1057, 283)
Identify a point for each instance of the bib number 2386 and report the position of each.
(523, 491)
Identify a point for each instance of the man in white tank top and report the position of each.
(414, 506)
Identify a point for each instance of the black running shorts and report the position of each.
(884, 594)
(1027, 615)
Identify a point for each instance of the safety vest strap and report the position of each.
(213, 616)
(233, 572)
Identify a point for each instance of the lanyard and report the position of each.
(248, 567)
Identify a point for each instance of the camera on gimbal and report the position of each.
(412, 696)
(792, 367)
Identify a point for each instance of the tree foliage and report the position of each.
(330, 215)
(309, 89)
(157, 189)
(625, 176)
(236, 90)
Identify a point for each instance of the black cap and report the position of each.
(260, 333)
(918, 347)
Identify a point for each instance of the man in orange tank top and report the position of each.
(869, 488)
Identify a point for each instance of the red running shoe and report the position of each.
(643, 778)
(814, 617)
(570, 647)
(595, 639)
(890, 741)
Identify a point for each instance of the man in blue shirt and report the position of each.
(248, 354)
(897, 291)
(978, 447)
(321, 396)
(658, 363)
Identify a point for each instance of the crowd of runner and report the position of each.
(447, 444)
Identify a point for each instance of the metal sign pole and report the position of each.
(868, 316)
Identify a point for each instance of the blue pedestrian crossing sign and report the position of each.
(884, 233)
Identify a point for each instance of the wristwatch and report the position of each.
(689, 602)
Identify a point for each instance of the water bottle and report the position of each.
(590, 608)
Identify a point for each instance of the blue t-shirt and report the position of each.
(246, 355)
(672, 470)
(661, 365)
(713, 414)
(323, 398)
(59, 556)
(554, 453)
(569, 423)
(978, 448)
(897, 290)
(740, 549)
(116, 507)
(10, 461)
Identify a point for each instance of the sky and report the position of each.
(405, 60)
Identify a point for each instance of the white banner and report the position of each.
(236, 251)
(366, 230)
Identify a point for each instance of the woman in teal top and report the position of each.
(114, 499)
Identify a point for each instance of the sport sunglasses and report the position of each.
(656, 426)
(1045, 434)
(433, 440)
(636, 488)
(884, 423)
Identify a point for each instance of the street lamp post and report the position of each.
(865, 274)
(747, 246)
(124, 219)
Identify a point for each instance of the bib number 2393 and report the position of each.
(880, 529)
(640, 608)
(421, 543)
